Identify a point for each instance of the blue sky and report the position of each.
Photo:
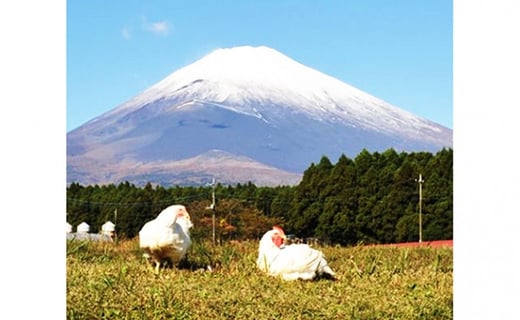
(399, 51)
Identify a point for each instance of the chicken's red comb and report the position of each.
(278, 229)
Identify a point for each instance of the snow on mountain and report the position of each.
(254, 102)
(244, 79)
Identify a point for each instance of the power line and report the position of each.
(129, 204)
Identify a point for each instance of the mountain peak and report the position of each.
(253, 103)
(253, 65)
(243, 52)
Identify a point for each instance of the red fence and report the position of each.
(433, 244)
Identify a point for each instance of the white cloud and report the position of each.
(162, 27)
(159, 27)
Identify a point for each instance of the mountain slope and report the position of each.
(252, 102)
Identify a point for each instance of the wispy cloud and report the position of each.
(125, 32)
(162, 28)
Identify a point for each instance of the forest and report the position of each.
(372, 198)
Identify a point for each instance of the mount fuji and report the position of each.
(240, 114)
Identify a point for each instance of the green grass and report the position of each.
(112, 281)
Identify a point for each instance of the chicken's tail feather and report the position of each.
(324, 271)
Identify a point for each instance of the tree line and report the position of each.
(372, 198)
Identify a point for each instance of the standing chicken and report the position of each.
(167, 237)
(291, 262)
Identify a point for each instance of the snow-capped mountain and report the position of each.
(249, 102)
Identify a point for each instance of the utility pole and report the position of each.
(212, 207)
(115, 225)
(420, 181)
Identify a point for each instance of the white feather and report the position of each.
(167, 236)
(291, 262)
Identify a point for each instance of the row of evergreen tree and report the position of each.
(373, 198)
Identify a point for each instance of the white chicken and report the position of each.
(167, 237)
(291, 262)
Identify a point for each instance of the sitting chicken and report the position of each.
(167, 237)
(291, 262)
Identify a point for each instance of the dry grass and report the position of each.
(112, 281)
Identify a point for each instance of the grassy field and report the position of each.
(112, 281)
